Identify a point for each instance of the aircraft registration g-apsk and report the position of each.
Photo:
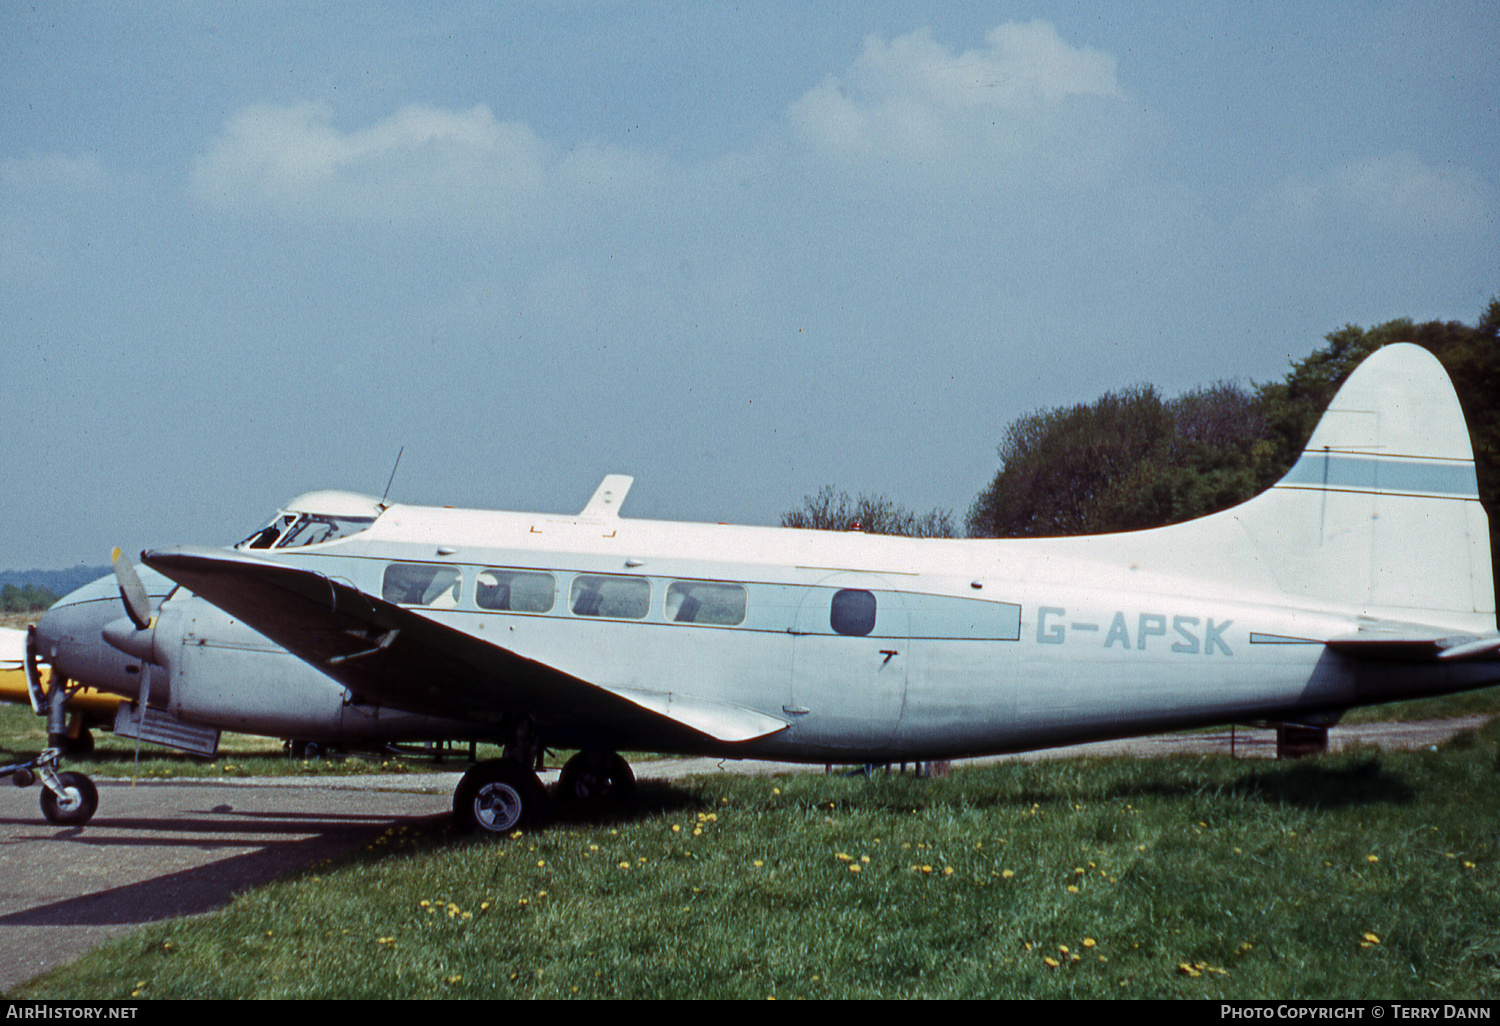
(1363, 576)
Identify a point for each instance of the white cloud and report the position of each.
(419, 164)
(1393, 191)
(1026, 95)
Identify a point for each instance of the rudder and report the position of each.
(1381, 512)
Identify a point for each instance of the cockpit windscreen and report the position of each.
(294, 530)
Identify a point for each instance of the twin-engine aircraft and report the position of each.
(1362, 576)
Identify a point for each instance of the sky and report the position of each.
(739, 251)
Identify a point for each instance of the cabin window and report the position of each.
(516, 591)
(853, 611)
(706, 602)
(421, 584)
(626, 598)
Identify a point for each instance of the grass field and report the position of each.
(1356, 875)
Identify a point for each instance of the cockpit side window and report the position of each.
(311, 529)
(268, 536)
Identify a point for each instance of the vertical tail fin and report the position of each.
(1381, 513)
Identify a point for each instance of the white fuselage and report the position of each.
(975, 646)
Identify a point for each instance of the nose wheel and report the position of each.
(74, 802)
(68, 799)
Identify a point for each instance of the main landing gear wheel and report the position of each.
(594, 782)
(76, 805)
(497, 797)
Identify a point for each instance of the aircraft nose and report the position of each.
(70, 638)
(52, 630)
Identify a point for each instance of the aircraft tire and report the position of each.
(76, 806)
(498, 797)
(594, 782)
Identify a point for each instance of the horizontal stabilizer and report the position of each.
(1413, 645)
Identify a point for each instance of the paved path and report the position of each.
(164, 849)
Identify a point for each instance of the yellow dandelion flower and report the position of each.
(757, 863)
(1372, 858)
(947, 870)
(842, 857)
(1089, 942)
(1054, 963)
(625, 865)
(1072, 889)
(1007, 873)
(854, 868)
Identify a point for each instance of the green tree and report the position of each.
(28, 598)
(832, 510)
(1132, 460)
(1128, 460)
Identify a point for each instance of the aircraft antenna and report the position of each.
(392, 477)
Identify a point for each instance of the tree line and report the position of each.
(1133, 459)
(28, 598)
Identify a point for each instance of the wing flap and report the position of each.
(716, 719)
(393, 656)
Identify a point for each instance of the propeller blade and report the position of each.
(132, 591)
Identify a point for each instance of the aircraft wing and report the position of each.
(390, 655)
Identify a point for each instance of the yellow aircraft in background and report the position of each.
(87, 707)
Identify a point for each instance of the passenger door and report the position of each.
(849, 664)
